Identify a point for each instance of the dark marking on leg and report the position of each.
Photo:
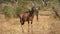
(31, 28)
(31, 22)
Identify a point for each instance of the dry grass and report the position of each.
(45, 25)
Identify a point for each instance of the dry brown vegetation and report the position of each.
(45, 25)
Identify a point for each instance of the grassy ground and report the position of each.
(45, 25)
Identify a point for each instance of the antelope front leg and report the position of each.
(31, 27)
(28, 27)
(22, 23)
(22, 29)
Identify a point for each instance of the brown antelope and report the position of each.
(27, 16)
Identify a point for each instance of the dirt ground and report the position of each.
(45, 25)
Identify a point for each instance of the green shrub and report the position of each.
(21, 9)
(8, 11)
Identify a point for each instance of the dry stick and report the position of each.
(56, 12)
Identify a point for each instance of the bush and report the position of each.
(21, 9)
(8, 11)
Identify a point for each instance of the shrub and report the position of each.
(8, 11)
(21, 9)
